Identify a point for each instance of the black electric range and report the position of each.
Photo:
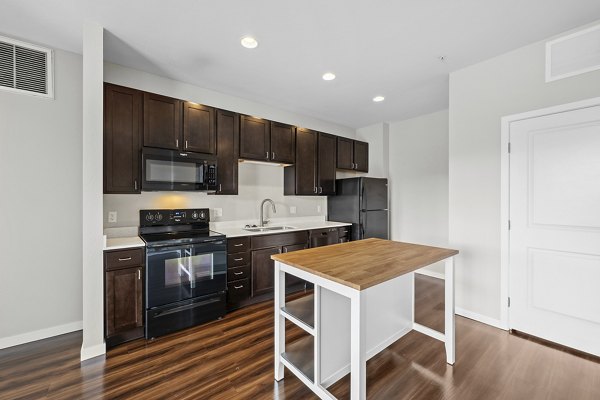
(186, 269)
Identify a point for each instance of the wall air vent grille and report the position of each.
(25, 68)
(573, 54)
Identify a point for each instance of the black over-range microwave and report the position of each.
(177, 171)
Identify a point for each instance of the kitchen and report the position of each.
(431, 180)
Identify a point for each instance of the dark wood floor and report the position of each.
(233, 359)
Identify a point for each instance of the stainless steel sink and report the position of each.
(269, 228)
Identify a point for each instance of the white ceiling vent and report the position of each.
(573, 54)
(25, 68)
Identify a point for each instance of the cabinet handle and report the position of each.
(219, 187)
(238, 259)
(125, 259)
(352, 165)
(135, 184)
(356, 166)
(176, 142)
(238, 245)
(267, 155)
(186, 146)
(272, 155)
(238, 287)
(315, 189)
(238, 273)
(139, 274)
(320, 189)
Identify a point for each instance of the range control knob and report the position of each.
(159, 217)
(149, 217)
(195, 215)
(202, 215)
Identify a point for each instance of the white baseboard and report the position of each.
(336, 376)
(45, 333)
(496, 323)
(432, 274)
(92, 351)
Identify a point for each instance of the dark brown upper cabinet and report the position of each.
(283, 143)
(227, 151)
(122, 139)
(255, 135)
(361, 156)
(199, 128)
(326, 161)
(162, 121)
(301, 178)
(352, 154)
(345, 153)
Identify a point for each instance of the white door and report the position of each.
(555, 228)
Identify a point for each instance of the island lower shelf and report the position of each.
(300, 354)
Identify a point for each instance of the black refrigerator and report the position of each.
(362, 202)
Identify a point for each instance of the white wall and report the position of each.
(40, 239)
(256, 182)
(418, 171)
(376, 136)
(479, 96)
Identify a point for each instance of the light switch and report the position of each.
(112, 217)
(318, 209)
(218, 212)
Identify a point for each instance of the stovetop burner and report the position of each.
(174, 227)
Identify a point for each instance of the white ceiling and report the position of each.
(376, 47)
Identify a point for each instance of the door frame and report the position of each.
(506, 122)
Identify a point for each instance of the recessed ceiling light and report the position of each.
(328, 76)
(249, 42)
(378, 99)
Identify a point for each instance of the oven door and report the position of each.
(176, 273)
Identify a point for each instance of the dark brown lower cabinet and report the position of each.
(123, 297)
(263, 270)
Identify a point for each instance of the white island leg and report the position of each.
(358, 347)
(279, 320)
(449, 311)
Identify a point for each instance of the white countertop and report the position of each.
(122, 238)
(123, 243)
(236, 228)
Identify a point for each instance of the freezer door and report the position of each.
(374, 224)
(344, 205)
(374, 194)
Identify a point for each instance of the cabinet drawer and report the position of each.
(123, 258)
(235, 274)
(238, 244)
(282, 239)
(238, 259)
(238, 291)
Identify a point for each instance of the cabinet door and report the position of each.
(306, 162)
(326, 163)
(254, 138)
(263, 270)
(123, 300)
(361, 156)
(122, 139)
(227, 152)
(345, 153)
(162, 121)
(283, 143)
(291, 280)
(199, 128)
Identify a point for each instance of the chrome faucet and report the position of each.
(262, 206)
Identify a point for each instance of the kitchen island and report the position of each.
(363, 301)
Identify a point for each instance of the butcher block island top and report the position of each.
(364, 263)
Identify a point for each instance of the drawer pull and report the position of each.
(238, 287)
(238, 245)
(238, 259)
(238, 273)
(125, 259)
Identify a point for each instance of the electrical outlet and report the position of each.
(318, 209)
(112, 216)
(292, 209)
(218, 212)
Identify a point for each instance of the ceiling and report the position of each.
(388, 48)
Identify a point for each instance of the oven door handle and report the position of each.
(187, 307)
